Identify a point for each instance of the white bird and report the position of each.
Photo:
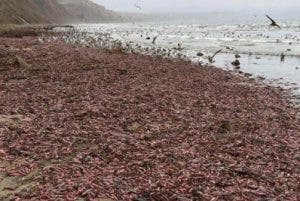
(40, 40)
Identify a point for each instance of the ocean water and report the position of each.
(260, 46)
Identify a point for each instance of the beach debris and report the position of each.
(273, 23)
(52, 27)
(297, 68)
(248, 74)
(225, 126)
(122, 71)
(13, 120)
(148, 38)
(154, 39)
(211, 58)
(21, 63)
(140, 199)
(260, 78)
(20, 32)
(8, 118)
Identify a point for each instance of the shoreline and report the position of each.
(80, 123)
(198, 47)
(261, 72)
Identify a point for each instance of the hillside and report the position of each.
(32, 11)
(88, 11)
(54, 11)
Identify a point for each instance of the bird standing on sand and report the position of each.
(40, 40)
(236, 63)
(282, 57)
(179, 47)
(283, 54)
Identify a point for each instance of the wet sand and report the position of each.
(83, 124)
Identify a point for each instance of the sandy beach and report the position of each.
(83, 124)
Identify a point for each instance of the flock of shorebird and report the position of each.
(105, 41)
(236, 62)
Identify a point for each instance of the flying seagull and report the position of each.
(273, 23)
(138, 6)
(154, 39)
(211, 58)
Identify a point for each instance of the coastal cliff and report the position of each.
(54, 11)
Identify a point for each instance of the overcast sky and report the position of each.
(151, 6)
